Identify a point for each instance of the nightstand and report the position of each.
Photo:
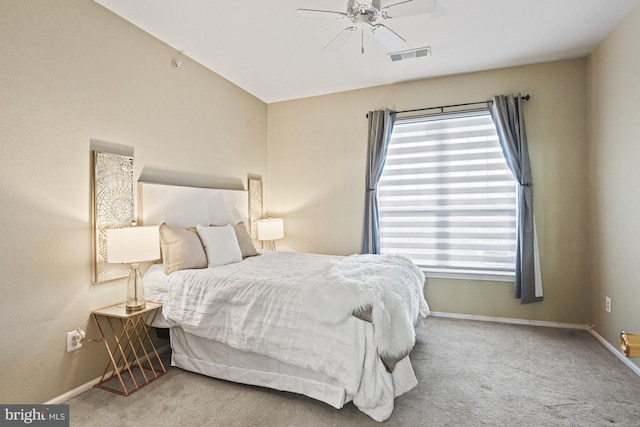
(133, 358)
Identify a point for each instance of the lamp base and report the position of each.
(269, 245)
(135, 290)
(135, 307)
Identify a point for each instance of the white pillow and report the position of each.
(220, 244)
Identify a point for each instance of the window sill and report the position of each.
(461, 276)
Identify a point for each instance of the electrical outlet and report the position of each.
(74, 341)
(607, 304)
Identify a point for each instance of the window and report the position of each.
(447, 199)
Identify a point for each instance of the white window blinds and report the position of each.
(447, 198)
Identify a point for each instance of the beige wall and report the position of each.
(72, 73)
(316, 169)
(614, 207)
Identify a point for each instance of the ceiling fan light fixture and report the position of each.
(366, 14)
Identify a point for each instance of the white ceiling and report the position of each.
(262, 47)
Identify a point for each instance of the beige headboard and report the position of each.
(181, 206)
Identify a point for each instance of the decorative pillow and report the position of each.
(220, 244)
(245, 241)
(181, 249)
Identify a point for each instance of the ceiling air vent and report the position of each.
(408, 54)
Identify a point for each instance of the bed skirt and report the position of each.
(217, 360)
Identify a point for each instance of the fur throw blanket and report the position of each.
(391, 286)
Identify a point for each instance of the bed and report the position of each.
(333, 328)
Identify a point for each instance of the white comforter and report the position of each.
(297, 308)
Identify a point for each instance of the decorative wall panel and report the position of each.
(113, 207)
(255, 206)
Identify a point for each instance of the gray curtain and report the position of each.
(509, 120)
(380, 127)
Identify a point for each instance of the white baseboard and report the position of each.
(597, 336)
(87, 386)
(509, 320)
(73, 393)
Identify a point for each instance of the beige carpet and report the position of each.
(470, 374)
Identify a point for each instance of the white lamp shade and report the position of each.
(270, 229)
(133, 244)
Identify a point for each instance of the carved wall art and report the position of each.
(113, 207)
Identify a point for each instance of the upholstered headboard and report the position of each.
(181, 206)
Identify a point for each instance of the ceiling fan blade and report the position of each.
(387, 37)
(340, 39)
(311, 13)
(408, 8)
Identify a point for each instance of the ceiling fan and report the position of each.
(364, 16)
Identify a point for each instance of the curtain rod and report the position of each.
(442, 107)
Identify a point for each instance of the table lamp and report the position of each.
(269, 230)
(133, 245)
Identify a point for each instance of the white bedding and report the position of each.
(297, 308)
